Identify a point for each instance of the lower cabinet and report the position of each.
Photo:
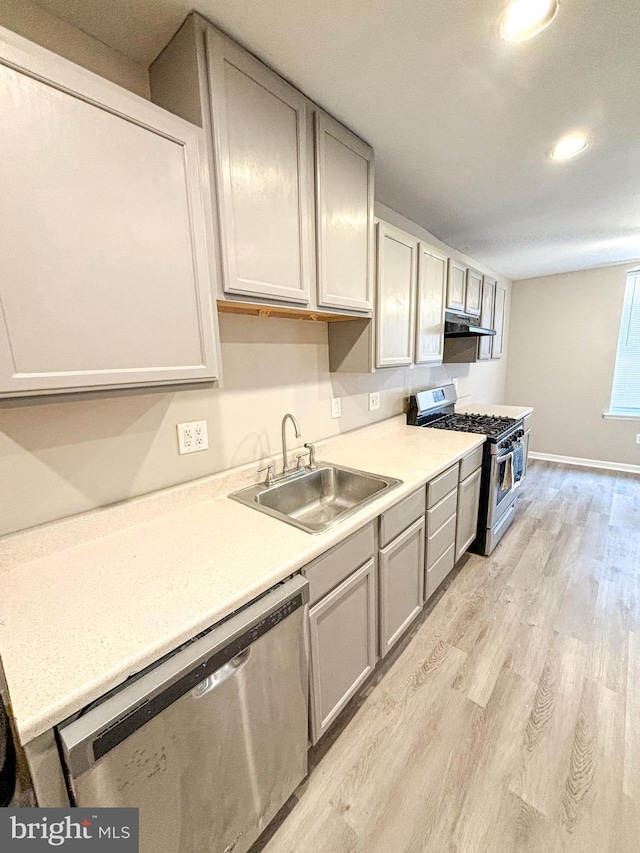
(467, 512)
(343, 645)
(401, 575)
(365, 592)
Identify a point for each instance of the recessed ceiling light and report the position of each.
(569, 146)
(524, 19)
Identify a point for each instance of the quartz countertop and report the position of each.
(88, 601)
(496, 409)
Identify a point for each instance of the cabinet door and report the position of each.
(344, 205)
(432, 282)
(260, 153)
(106, 273)
(343, 646)
(401, 586)
(396, 286)
(456, 285)
(467, 513)
(497, 346)
(473, 294)
(486, 316)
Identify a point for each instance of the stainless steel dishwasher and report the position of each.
(212, 741)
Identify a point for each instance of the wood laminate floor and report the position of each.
(510, 719)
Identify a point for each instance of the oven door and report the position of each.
(501, 486)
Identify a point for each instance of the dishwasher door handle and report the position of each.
(220, 675)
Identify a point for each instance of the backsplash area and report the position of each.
(76, 454)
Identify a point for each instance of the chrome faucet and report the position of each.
(296, 426)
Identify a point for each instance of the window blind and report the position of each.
(625, 396)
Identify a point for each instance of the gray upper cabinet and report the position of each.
(259, 125)
(486, 317)
(473, 293)
(497, 347)
(432, 283)
(293, 188)
(396, 285)
(106, 270)
(344, 213)
(456, 285)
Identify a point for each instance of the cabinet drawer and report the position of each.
(440, 541)
(470, 463)
(442, 485)
(441, 512)
(438, 572)
(331, 568)
(400, 516)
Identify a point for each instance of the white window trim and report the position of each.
(614, 416)
(624, 413)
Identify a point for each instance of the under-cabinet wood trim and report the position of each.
(257, 310)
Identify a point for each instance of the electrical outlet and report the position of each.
(374, 401)
(192, 437)
(336, 407)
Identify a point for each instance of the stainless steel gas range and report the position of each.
(503, 461)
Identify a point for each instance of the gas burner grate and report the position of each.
(484, 424)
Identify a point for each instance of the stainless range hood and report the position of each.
(463, 326)
(461, 336)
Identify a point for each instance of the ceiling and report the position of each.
(460, 120)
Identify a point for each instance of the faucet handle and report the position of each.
(268, 480)
(300, 457)
(312, 456)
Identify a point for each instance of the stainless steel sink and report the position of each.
(316, 500)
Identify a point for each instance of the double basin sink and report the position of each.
(315, 500)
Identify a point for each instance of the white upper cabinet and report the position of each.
(259, 125)
(396, 285)
(456, 285)
(473, 294)
(498, 321)
(106, 273)
(344, 205)
(486, 317)
(432, 282)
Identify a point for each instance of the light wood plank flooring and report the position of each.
(510, 718)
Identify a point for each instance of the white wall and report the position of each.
(562, 345)
(36, 24)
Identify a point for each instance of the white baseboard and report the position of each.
(587, 463)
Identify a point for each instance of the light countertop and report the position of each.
(88, 601)
(497, 410)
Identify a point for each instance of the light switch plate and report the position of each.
(193, 437)
(374, 401)
(336, 407)
(638, 438)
